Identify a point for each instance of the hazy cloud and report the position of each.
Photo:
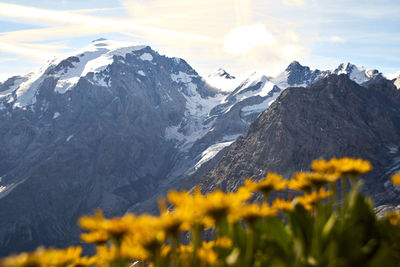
(337, 39)
(293, 2)
(241, 39)
(238, 34)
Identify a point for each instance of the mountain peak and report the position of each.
(293, 66)
(346, 68)
(222, 73)
(106, 45)
(359, 74)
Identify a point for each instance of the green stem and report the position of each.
(196, 237)
(175, 244)
(315, 245)
(352, 182)
(249, 247)
(344, 190)
(335, 198)
(158, 261)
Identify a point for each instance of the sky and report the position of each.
(237, 35)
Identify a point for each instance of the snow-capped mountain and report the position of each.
(221, 73)
(334, 117)
(297, 75)
(222, 80)
(358, 74)
(113, 126)
(109, 126)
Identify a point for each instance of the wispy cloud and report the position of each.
(94, 10)
(393, 75)
(247, 40)
(30, 50)
(231, 30)
(240, 34)
(294, 2)
(241, 39)
(5, 76)
(336, 39)
(114, 24)
(7, 59)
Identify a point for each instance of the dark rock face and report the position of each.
(335, 117)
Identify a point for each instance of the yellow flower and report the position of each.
(396, 179)
(251, 212)
(174, 222)
(271, 182)
(206, 254)
(20, 260)
(148, 232)
(179, 198)
(310, 200)
(393, 217)
(62, 257)
(342, 167)
(218, 204)
(44, 257)
(282, 204)
(118, 226)
(85, 261)
(105, 255)
(165, 250)
(299, 182)
(98, 237)
(185, 249)
(223, 242)
(353, 167)
(323, 166)
(133, 250)
(206, 209)
(316, 179)
(185, 254)
(92, 223)
(184, 203)
(102, 230)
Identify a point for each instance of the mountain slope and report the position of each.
(334, 117)
(108, 127)
(113, 126)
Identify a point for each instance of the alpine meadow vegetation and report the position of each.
(323, 221)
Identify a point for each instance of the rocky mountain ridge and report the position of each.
(113, 126)
(334, 117)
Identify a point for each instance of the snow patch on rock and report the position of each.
(210, 153)
(94, 58)
(146, 56)
(56, 115)
(258, 108)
